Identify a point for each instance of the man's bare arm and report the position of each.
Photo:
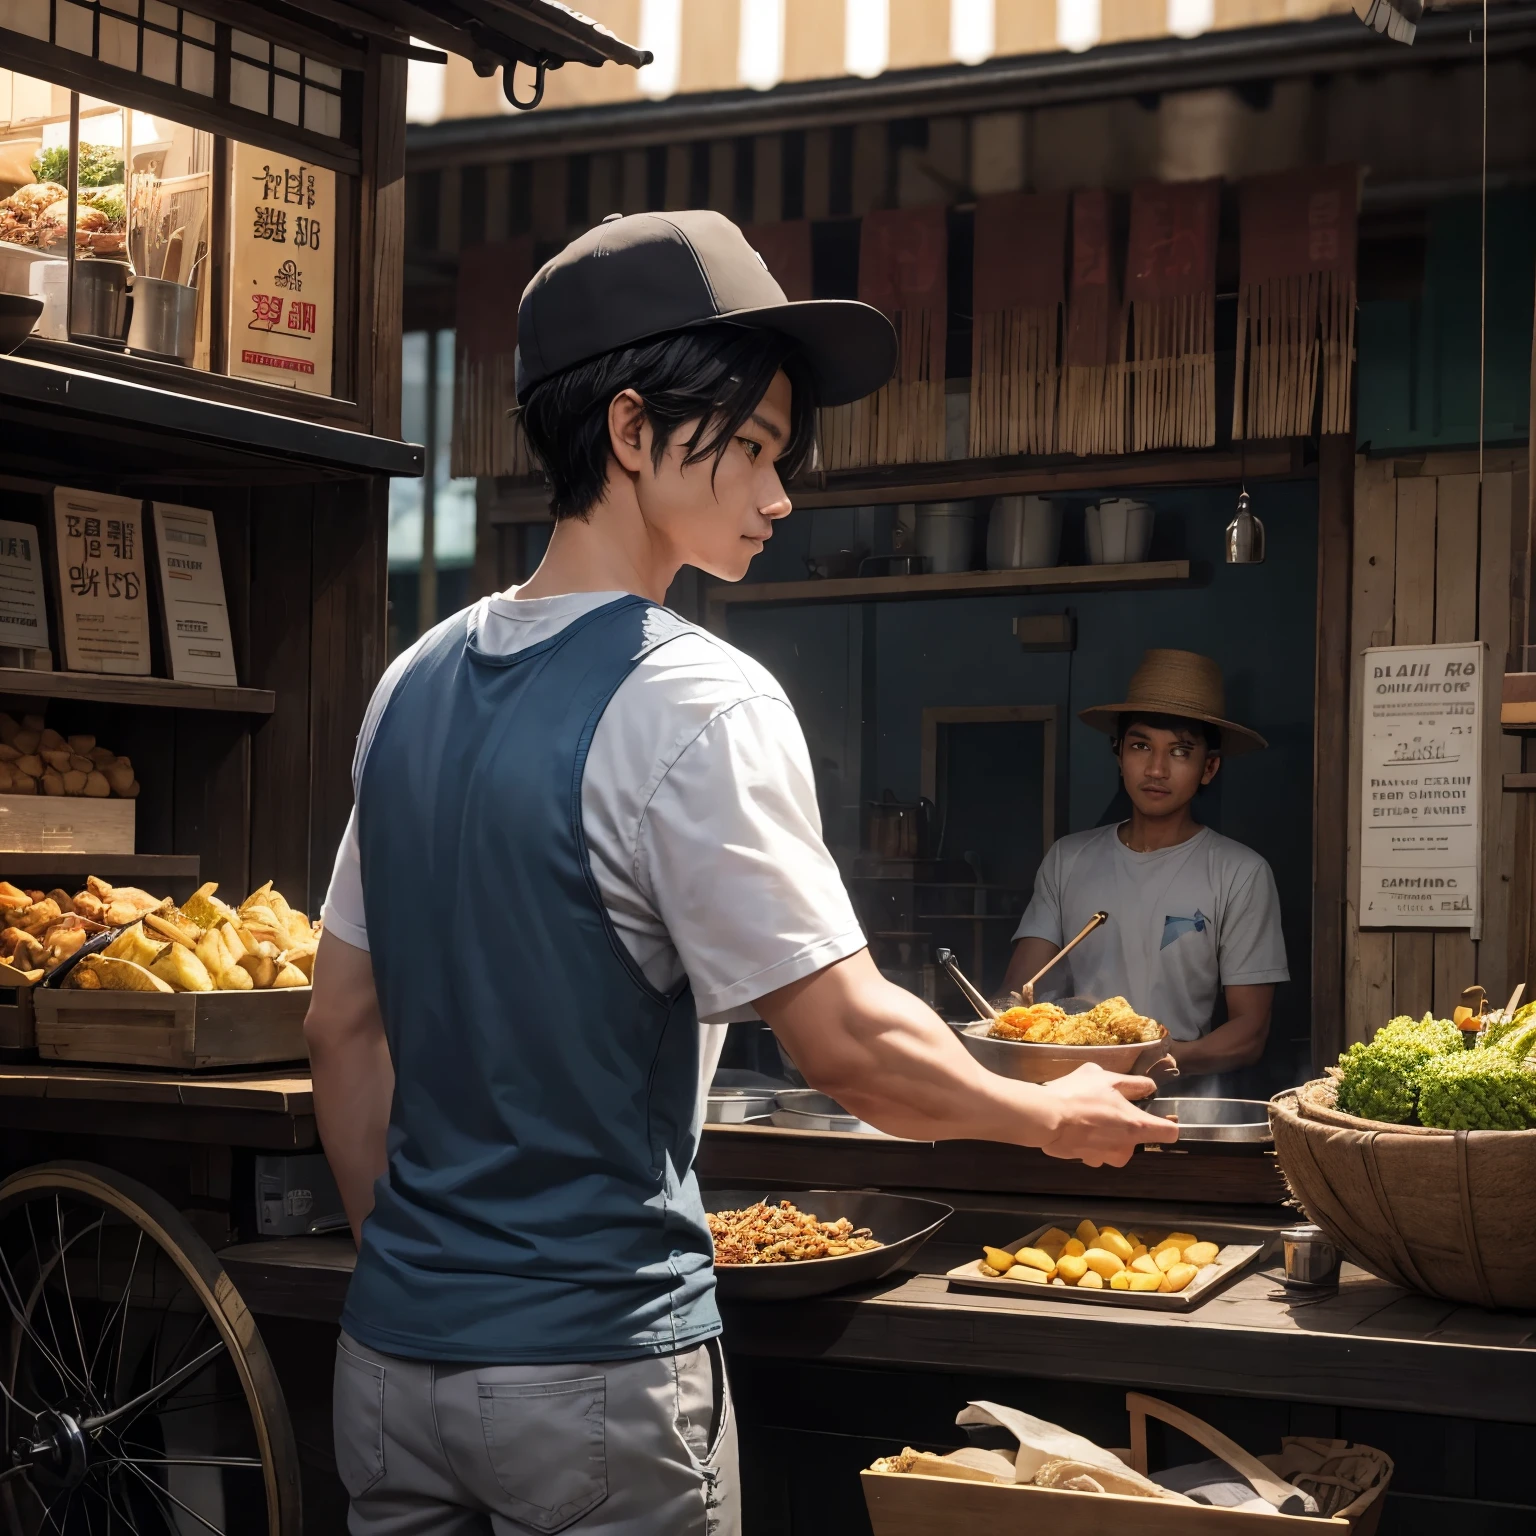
(888, 1058)
(354, 1079)
(1237, 1043)
(1028, 956)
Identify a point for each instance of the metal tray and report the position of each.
(737, 1106)
(1215, 1119)
(803, 1109)
(900, 1222)
(1230, 1262)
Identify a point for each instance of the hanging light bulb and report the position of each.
(1245, 535)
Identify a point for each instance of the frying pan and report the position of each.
(900, 1222)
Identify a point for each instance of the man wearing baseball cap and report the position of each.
(583, 825)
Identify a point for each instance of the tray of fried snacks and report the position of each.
(205, 984)
(1161, 1270)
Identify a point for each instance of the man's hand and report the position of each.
(889, 1059)
(1098, 1122)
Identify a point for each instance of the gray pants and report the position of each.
(628, 1448)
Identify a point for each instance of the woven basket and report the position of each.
(1449, 1213)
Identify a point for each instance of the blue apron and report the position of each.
(540, 1203)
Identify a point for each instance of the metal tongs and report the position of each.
(984, 1009)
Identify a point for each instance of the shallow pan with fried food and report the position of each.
(900, 1223)
(1031, 1062)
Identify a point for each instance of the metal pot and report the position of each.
(945, 534)
(1119, 532)
(897, 830)
(101, 300)
(1023, 534)
(164, 319)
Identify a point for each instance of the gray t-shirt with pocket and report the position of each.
(1184, 922)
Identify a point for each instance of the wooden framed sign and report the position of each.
(1421, 786)
(283, 282)
(103, 607)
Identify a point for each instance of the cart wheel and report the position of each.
(136, 1393)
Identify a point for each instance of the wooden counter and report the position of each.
(741, 1156)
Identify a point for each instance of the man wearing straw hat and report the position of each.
(1191, 912)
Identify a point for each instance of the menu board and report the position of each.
(103, 607)
(197, 643)
(23, 609)
(283, 288)
(1421, 786)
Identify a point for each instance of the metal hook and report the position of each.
(509, 84)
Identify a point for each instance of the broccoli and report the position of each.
(1380, 1080)
(1477, 1091)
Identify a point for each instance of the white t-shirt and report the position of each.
(700, 813)
(1183, 923)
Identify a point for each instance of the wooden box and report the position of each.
(17, 1038)
(177, 1031)
(65, 824)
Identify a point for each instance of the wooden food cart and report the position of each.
(202, 215)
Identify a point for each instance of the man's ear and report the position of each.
(627, 430)
(1211, 769)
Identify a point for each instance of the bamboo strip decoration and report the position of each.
(1296, 303)
(903, 272)
(1020, 290)
(487, 439)
(1170, 290)
(1093, 389)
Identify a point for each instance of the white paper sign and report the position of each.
(23, 609)
(103, 607)
(197, 643)
(282, 313)
(1421, 786)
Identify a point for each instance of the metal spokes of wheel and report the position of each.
(136, 1397)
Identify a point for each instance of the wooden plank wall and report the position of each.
(1436, 558)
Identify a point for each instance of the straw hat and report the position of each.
(1177, 683)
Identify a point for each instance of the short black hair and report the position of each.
(1210, 734)
(713, 374)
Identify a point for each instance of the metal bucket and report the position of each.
(101, 300)
(164, 319)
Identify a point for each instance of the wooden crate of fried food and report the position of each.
(196, 986)
(1170, 1271)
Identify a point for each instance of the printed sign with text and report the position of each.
(283, 292)
(103, 607)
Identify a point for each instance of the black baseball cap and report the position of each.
(649, 274)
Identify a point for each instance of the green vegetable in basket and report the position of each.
(1516, 1042)
(1477, 1091)
(1380, 1080)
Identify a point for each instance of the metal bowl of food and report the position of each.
(1030, 1062)
(736, 1106)
(1215, 1119)
(899, 1223)
(803, 1109)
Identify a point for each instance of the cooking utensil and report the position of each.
(101, 300)
(1027, 991)
(1214, 1119)
(983, 1008)
(18, 314)
(1023, 533)
(170, 262)
(1119, 531)
(804, 1109)
(900, 1223)
(893, 565)
(164, 322)
(946, 533)
(1030, 1062)
(1311, 1260)
(736, 1106)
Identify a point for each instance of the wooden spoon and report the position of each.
(1027, 991)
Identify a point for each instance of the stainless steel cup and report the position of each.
(164, 319)
(1310, 1257)
(101, 300)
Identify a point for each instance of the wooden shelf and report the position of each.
(160, 692)
(144, 866)
(874, 589)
